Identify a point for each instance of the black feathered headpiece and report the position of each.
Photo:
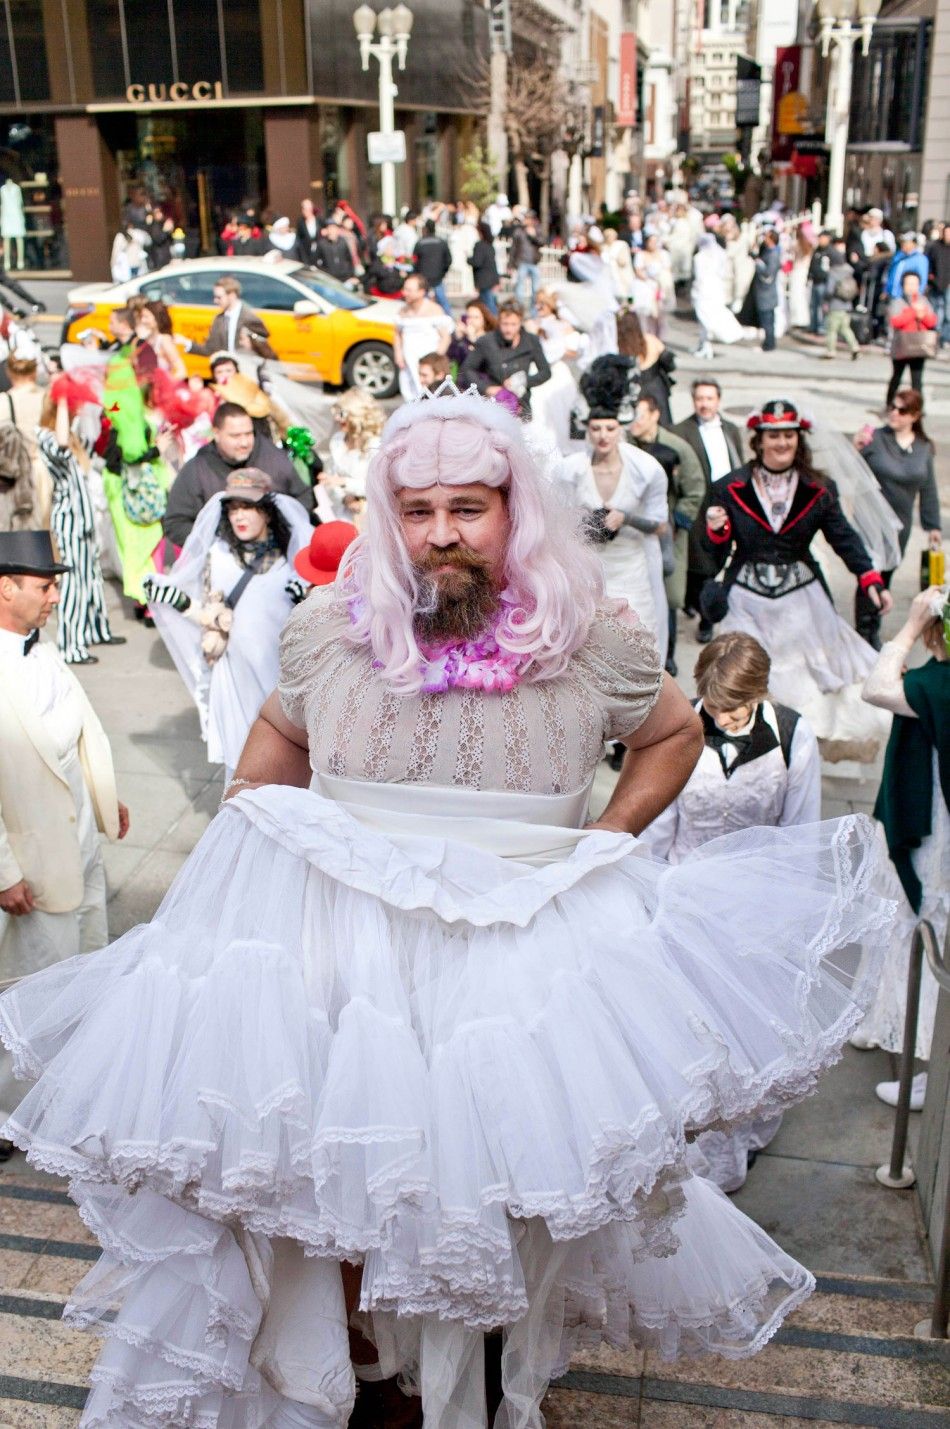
(611, 388)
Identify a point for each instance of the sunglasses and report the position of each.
(896, 407)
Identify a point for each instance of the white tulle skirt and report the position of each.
(819, 664)
(349, 1035)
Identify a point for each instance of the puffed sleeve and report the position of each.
(313, 631)
(622, 662)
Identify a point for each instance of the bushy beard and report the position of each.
(457, 604)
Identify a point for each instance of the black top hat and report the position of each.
(28, 553)
(778, 416)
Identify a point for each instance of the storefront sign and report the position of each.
(386, 148)
(627, 105)
(789, 105)
(178, 93)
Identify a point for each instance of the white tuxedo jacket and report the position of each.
(38, 834)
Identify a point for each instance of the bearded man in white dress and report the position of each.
(412, 1051)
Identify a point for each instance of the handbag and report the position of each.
(714, 594)
(918, 342)
(143, 496)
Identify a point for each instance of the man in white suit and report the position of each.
(57, 786)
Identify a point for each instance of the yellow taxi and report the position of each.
(315, 322)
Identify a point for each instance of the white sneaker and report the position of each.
(887, 1091)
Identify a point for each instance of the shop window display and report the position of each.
(31, 219)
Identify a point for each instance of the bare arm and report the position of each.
(275, 752)
(661, 756)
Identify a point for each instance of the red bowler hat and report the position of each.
(320, 562)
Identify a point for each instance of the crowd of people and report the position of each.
(425, 1073)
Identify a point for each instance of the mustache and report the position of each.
(458, 556)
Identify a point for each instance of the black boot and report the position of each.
(705, 632)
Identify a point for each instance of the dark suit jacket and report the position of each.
(306, 249)
(700, 561)
(217, 339)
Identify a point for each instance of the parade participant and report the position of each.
(234, 445)
(421, 326)
(135, 478)
(655, 361)
(901, 456)
(759, 768)
(233, 320)
(712, 280)
(552, 402)
(57, 786)
(625, 492)
(913, 804)
(761, 521)
(402, 1009)
(222, 606)
(913, 325)
(359, 419)
(82, 619)
(510, 357)
(163, 346)
(473, 324)
(686, 491)
(718, 445)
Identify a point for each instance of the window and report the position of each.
(196, 40)
(29, 43)
(242, 39)
(195, 288)
(889, 89)
(106, 48)
(330, 289)
(259, 291)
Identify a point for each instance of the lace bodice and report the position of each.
(543, 738)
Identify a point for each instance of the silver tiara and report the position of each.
(447, 388)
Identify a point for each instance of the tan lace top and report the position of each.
(543, 738)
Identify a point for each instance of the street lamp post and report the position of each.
(837, 28)
(395, 27)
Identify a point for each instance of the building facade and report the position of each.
(213, 104)
(900, 114)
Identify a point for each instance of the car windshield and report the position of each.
(329, 288)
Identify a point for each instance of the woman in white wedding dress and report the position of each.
(409, 1045)
(222, 605)
(625, 492)
(551, 403)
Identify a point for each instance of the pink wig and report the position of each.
(553, 581)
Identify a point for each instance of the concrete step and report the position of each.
(848, 1356)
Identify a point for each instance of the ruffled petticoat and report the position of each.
(819, 665)
(473, 1074)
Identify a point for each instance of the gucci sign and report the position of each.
(177, 93)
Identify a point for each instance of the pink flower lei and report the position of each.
(479, 664)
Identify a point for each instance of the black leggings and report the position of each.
(916, 365)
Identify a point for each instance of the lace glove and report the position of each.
(163, 594)
(640, 523)
(297, 589)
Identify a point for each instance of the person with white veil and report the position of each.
(709, 294)
(551, 403)
(221, 608)
(590, 301)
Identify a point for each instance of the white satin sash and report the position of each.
(530, 828)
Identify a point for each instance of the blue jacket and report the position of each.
(902, 263)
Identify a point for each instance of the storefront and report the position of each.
(210, 105)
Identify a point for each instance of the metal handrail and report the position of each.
(899, 1174)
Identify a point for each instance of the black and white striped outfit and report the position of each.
(82, 609)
